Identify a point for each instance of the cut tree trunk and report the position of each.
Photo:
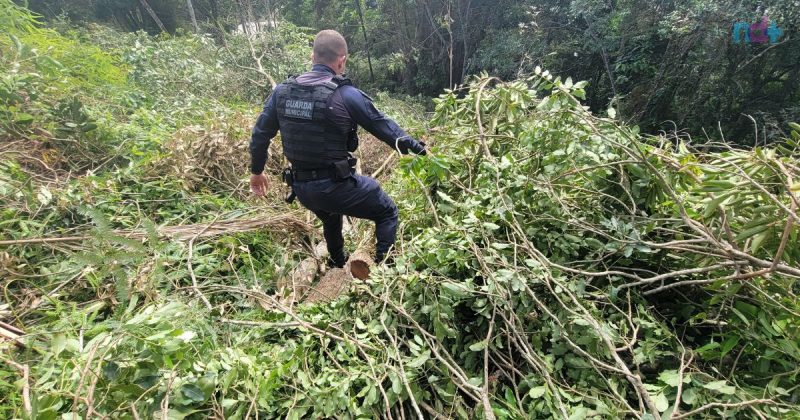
(294, 288)
(321, 251)
(335, 283)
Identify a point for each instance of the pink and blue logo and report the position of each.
(756, 33)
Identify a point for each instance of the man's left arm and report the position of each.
(364, 113)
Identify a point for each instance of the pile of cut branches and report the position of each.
(550, 263)
(567, 266)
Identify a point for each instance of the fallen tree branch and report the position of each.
(261, 324)
(11, 333)
(189, 264)
(722, 405)
(383, 166)
(187, 232)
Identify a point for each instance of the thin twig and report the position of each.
(723, 405)
(189, 264)
(26, 386)
(487, 404)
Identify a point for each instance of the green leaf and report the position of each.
(110, 371)
(669, 377)
(360, 324)
(758, 240)
(537, 392)
(88, 127)
(689, 396)
(420, 360)
(456, 290)
(729, 344)
(490, 226)
(712, 205)
(193, 392)
(58, 344)
(661, 402)
(708, 347)
(372, 396)
(594, 243)
(23, 118)
(721, 387)
(580, 413)
(751, 232)
(480, 345)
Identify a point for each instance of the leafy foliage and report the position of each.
(668, 67)
(555, 263)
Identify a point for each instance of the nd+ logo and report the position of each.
(756, 33)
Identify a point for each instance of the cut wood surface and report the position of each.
(359, 264)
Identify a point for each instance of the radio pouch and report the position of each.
(342, 169)
(288, 177)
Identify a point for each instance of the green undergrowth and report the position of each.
(551, 262)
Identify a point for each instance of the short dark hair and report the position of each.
(328, 46)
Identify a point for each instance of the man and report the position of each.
(318, 114)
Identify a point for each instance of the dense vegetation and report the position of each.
(667, 66)
(555, 262)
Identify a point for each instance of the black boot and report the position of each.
(338, 262)
(381, 258)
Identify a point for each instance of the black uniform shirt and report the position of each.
(348, 104)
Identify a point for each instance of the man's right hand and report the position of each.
(423, 150)
(259, 184)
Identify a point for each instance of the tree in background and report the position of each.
(665, 65)
(674, 64)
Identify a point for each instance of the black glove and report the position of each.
(421, 149)
(408, 144)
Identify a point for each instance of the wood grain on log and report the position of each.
(335, 283)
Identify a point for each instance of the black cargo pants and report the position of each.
(356, 196)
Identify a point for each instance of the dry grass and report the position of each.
(203, 156)
(285, 222)
(372, 153)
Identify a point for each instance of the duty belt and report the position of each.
(339, 170)
(313, 174)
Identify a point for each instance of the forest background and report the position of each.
(668, 66)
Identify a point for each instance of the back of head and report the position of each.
(329, 45)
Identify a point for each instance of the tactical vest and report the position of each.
(310, 139)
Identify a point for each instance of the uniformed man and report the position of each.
(318, 114)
